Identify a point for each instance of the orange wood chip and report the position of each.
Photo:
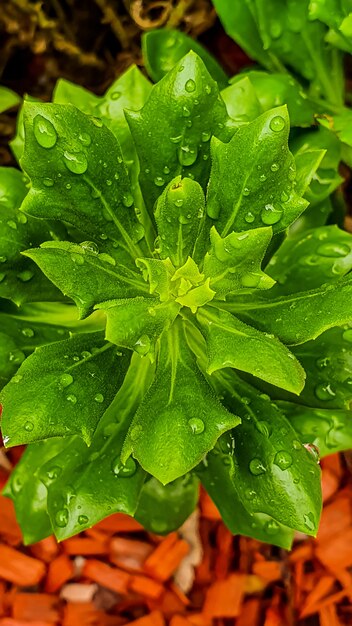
(155, 618)
(60, 570)
(146, 587)
(166, 557)
(109, 577)
(224, 597)
(19, 568)
(35, 607)
(268, 570)
(84, 546)
(9, 529)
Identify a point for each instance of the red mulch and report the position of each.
(117, 574)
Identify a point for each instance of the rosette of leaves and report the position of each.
(194, 358)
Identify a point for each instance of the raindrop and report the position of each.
(262, 178)
(250, 280)
(277, 123)
(90, 246)
(324, 392)
(250, 494)
(159, 181)
(322, 362)
(12, 224)
(17, 378)
(256, 467)
(3, 259)
(66, 380)
(127, 199)
(124, 470)
(29, 426)
(28, 332)
(48, 182)
(249, 217)
(283, 459)
(78, 259)
(187, 155)
(109, 182)
(99, 398)
(334, 250)
(68, 186)
(264, 427)
(97, 121)
(83, 519)
(190, 85)
(85, 139)
(76, 162)
(206, 136)
(115, 95)
(17, 357)
(142, 345)
(61, 518)
(296, 444)
(271, 527)
(71, 398)
(106, 258)
(246, 191)
(313, 450)
(185, 112)
(54, 472)
(44, 132)
(309, 521)
(196, 425)
(274, 167)
(271, 215)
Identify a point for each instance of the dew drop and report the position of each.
(142, 345)
(44, 132)
(85, 139)
(324, 392)
(196, 425)
(115, 95)
(12, 224)
(262, 178)
(3, 259)
(99, 398)
(271, 215)
(61, 518)
(309, 521)
(68, 186)
(17, 378)
(277, 124)
(334, 250)
(17, 357)
(249, 217)
(48, 182)
(77, 259)
(159, 181)
(313, 450)
(54, 472)
(28, 332)
(97, 122)
(76, 162)
(250, 494)
(256, 467)
(71, 398)
(83, 519)
(185, 112)
(246, 191)
(66, 380)
(283, 459)
(206, 136)
(250, 280)
(124, 470)
(271, 527)
(274, 167)
(187, 155)
(90, 246)
(322, 362)
(127, 199)
(264, 427)
(190, 85)
(296, 444)
(29, 426)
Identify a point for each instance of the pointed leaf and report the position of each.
(163, 48)
(173, 129)
(330, 431)
(62, 389)
(180, 418)
(274, 473)
(262, 192)
(20, 280)
(306, 261)
(233, 262)
(8, 99)
(136, 323)
(84, 275)
(64, 156)
(179, 211)
(164, 508)
(315, 311)
(231, 343)
(218, 476)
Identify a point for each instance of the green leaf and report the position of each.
(163, 48)
(8, 99)
(136, 323)
(62, 389)
(327, 178)
(262, 192)
(276, 89)
(241, 100)
(337, 14)
(28, 492)
(274, 474)
(83, 274)
(20, 280)
(180, 418)
(64, 156)
(233, 262)
(239, 21)
(173, 129)
(315, 311)
(19, 337)
(164, 508)
(328, 363)
(178, 214)
(330, 431)
(231, 343)
(87, 484)
(218, 476)
(306, 261)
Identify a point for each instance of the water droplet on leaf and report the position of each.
(196, 425)
(76, 162)
(256, 467)
(283, 459)
(44, 132)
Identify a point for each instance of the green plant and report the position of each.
(212, 340)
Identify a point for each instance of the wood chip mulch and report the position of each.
(116, 573)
